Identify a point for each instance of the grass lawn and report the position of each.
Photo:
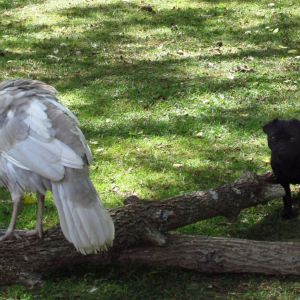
(171, 100)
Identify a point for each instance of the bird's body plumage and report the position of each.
(42, 148)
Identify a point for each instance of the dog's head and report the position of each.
(284, 138)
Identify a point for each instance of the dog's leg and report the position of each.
(288, 212)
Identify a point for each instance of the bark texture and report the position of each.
(218, 255)
(141, 237)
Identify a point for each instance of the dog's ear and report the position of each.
(266, 128)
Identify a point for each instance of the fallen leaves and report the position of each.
(53, 57)
(211, 65)
(177, 165)
(180, 52)
(219, 44)
(282, 47)
(249, 58)
(199, 135)
(148, 8)
(231, 77)
(243, 69)
(174, 27)
(292, 51)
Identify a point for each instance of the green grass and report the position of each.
(143, 86)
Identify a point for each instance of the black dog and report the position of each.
(284, 141)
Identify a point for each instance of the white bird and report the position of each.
(42, 148)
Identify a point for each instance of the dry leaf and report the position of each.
(148, 8)
(231, 77)
(243, 69)
(93, 290)
(53, 57)
(199, 134)
(293, 51)
(211, 65)
(282, 47)
(99, 150)
(177, 166)
(219, 44)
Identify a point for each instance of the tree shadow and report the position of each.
(109, 74)
(271, 227)
(8, 4)
(200, 23)
(111, 23)
(103, 62)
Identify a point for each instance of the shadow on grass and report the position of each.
(115, 73)
(111, 24)
(9, 4)
(157, 283)
(146, 81)
(202, 23)
(272, 227)
(108, 76)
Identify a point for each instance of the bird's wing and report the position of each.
(37, 133)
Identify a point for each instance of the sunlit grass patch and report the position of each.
(170, 101)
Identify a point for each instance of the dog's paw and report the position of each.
(289, 214)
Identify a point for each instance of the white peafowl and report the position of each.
(42, 148)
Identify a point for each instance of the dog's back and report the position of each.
(284, 142)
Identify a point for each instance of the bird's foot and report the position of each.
(9, 234)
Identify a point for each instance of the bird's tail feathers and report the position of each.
(83, 219)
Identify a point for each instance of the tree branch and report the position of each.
(138, 222)
(218, 255)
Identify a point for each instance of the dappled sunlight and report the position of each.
(172, 97)
(171, 100)
(156, 167)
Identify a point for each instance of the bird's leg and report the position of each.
(12, 225)
(39, 219)
(288, 211)
(40, 213)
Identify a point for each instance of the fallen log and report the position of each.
(142, 226)
(218, 255)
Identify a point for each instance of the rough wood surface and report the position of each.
(218, 255)
(141, 226)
